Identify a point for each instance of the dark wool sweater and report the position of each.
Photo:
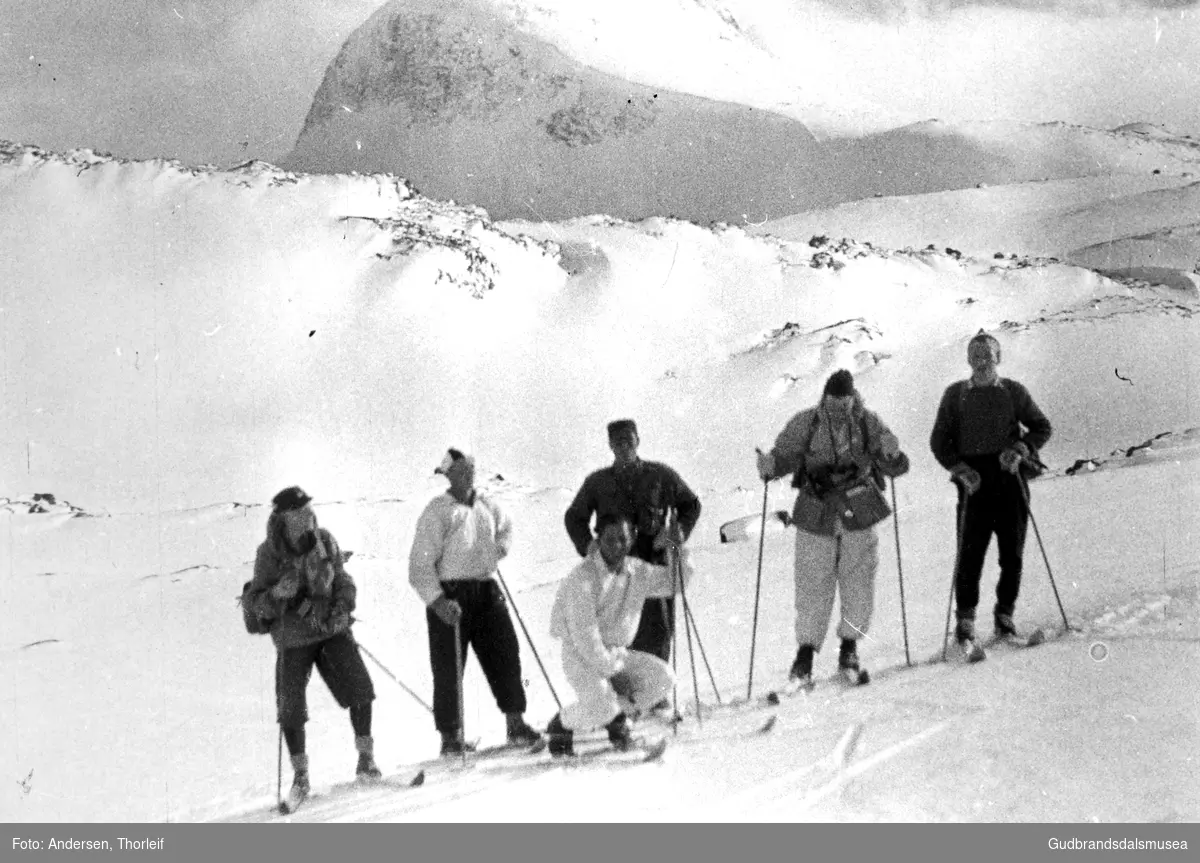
(976, 422)
(646, 492)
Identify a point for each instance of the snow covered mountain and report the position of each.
(503, 105)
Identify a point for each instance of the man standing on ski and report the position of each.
(660, 507)
(301, 588)
(833, 450)
(460, 538)
(596, 613)
(987, 434)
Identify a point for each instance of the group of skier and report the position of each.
(629, 522)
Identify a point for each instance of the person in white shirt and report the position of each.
(460, 538)
(596, 614)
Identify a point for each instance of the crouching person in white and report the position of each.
(596, 615)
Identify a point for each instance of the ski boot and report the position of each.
(453, 744)
(300, 786)
(800, 675)
(964, 634)
(519, 731)
(561, 739)
(367, 770)
(620, 734)
(848, 665)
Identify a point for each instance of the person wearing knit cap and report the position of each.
(301, 587)
(460, 538)
(832, 449)
(662, 509)
(987, 433)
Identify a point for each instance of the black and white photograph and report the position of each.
(611, 411)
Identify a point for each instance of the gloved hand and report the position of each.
(339, 621)
(967, 477)
(447, 610)
(894, 465)
(1012, 457)
(622, 684)
(287, 587)
(766, 465)
(669, 537)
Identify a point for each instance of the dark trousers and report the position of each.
(340, 665)
(487, 628)
(997, 507)
(656, 628)
(657, 624)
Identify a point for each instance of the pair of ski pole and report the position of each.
(900, 573)
(962, 522)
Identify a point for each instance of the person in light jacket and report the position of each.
(595, 614)
(460, 538)
(829, 449)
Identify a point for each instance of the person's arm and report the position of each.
(943, 440)
(787, 455)
(1037, 426)
(687, 505)
(885, 447)
(344, 590)
(583, 630)
(428, 545)
(578, 517)
(504, 530)
(266, 576)
(660, 580)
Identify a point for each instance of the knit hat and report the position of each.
(840, 384)
(292, 497)
(453, 455)
(620, 428)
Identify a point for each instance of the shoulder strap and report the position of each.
(812, 430)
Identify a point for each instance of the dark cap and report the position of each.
(840, 384)
(292, 497)
(984, 336)
(619, 428)
(452, 455)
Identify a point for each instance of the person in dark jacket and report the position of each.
(987, 433)
(662, 510)
(301, 587)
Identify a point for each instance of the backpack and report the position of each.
(254, 624)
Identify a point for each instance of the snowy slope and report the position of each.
(179, 343)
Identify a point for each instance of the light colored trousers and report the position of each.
(596, 702)
(844, 563)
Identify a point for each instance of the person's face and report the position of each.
(983, 356)
(624, 446)
(461, 474)
(615, 542)
(297, 522)
(839, 404)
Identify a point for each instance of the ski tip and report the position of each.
(655, 750)
(538, 746)
(1036, 637)
(417, 780)
(769, 724)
